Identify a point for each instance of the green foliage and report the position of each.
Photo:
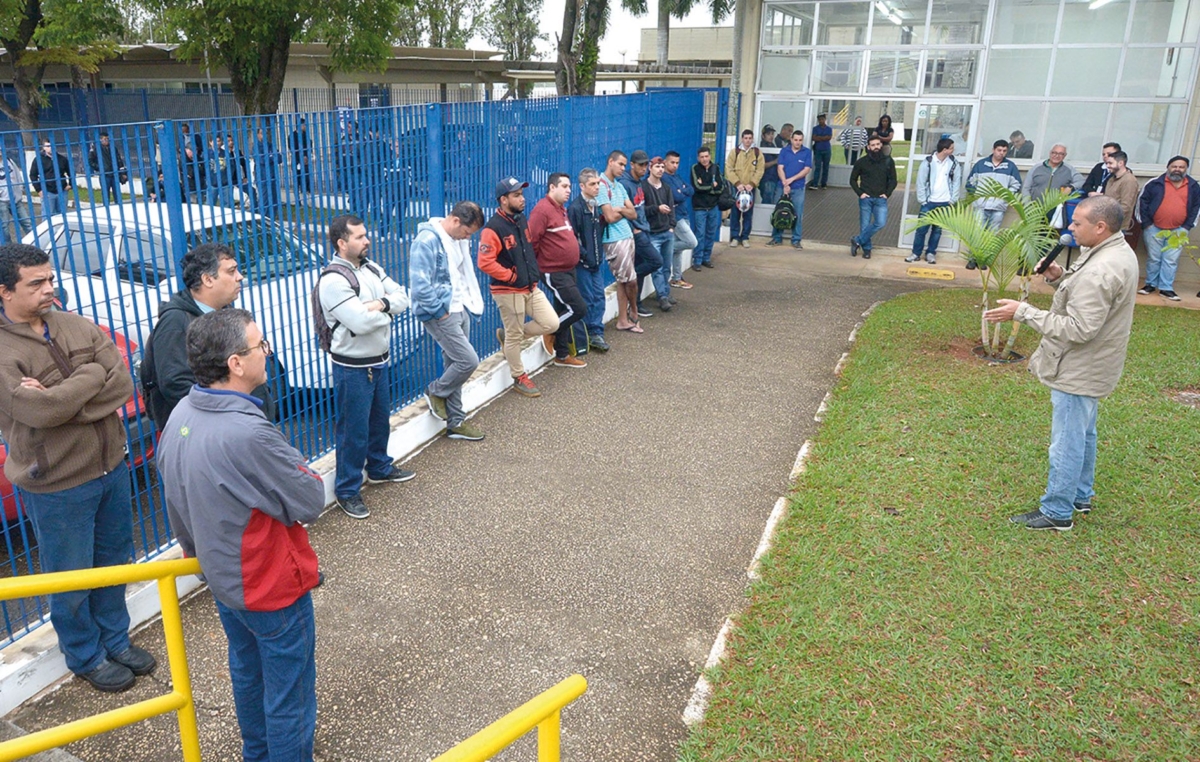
(1182, 240)
(513, 27)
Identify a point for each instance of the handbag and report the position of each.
(726, 201)
(1057, 221)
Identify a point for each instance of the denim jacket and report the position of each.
(431, 289)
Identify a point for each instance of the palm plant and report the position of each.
(1003, 255)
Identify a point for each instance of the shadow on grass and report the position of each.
(901, 616)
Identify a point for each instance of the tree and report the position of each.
(680, 9)
(252, 38)
(579, 45)
(512, 26)
(449, 24)
(38, 33)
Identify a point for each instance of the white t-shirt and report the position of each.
(939, 180)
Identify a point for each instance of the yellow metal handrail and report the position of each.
(543, 712)
(179, 700)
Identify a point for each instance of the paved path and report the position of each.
(603, 529)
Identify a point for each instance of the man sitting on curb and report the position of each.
(445, 298)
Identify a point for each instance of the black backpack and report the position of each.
(784, 217)
(322, 328)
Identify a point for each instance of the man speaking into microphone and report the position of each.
(1082, 353)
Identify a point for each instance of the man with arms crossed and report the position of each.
(62, 383)
(361, 320)
(445, 298)
(238, 496)
(587, 223)
(1081, 355)
(618, 240)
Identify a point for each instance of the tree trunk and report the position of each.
(27, 80)
(595, 13)
(258, 91)
(564, 64)
(663, 42)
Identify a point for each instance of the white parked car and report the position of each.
(116, 266)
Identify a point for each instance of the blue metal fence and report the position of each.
(269, 186)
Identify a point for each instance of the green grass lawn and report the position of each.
(901, 616)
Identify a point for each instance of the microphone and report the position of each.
(1063, 242)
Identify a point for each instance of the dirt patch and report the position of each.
(968, 350)
(1189, 396)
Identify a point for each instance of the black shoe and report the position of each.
(664, 304)
(643, 312)
(1084, 507)
(1169, 295)
(866, 254)
(354, 507)
(110, 677)
(598, 343)
(1038, 520)
(708, 264)
(971, 265)
(1147, 289)
(396, 475)
(853, 247)
(797, 245)
(671, 299)
(695, 268)
(136, 660)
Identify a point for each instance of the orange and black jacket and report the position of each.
(506, 255)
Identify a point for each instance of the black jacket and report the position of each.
(588, 224)
(100, 158)
(707, 183)
(515, 250)
(874, 177)
(50, 173)
(166, 376)
(659, 222)
(1096, 180)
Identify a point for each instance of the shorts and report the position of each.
(620, 256)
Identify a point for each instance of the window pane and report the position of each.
(892, 72)
(1148, 132)
(1161, 72)
(838, 72)
(1166, 21)
(789, 25)
(785, 72)
(957, 22)
(1000, 119)
(843, 23)
(1081, 127)
(1085, 72)
(1024, 21)
(1017, 72)
(951, 71)
(780, 113)
(1104, 24)
(902, 24)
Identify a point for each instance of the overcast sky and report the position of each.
(623, 28)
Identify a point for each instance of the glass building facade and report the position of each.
(1077, 72)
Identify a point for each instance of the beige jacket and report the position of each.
(1125, 190)
(746, 167)
(1086, 330)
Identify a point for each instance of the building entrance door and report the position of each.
(933, 122)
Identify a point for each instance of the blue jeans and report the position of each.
(54, 202)
(15, 213)
(872, 216)
(591, 285)
(992, 218)
(273, 666)
(685, 240)
(1072, 453)
(935, 233)
(362, 398)
(82, 528)
(665, 244)
(740, 222)
(769, 190)
(820, 173)
(797, 196)
(1160, 264)
(706, 224)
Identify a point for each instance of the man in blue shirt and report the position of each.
(795, 165)
(822, 140)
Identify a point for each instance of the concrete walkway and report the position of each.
(603, 529)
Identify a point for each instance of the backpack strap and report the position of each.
(348, 274)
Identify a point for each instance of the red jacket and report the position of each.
(553, 238)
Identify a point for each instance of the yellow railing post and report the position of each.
(179, 700)
(549, 737)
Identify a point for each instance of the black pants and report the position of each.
(568, 303)
(646, 260)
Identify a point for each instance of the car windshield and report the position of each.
(77, 250)
(264, 251)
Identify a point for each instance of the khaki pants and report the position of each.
(514, 308)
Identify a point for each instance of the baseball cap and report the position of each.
(508, 185)
(639, 157)
(657, 160)
(768, 128)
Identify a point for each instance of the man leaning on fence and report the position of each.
(358, 302)
(62, 385)
(587, 223)
(15, 220)
(446, 299)
(238, 496)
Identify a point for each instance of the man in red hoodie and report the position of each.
(506, 255)
(557, 252)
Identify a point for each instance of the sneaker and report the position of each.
(110, 677)
(931, 259)
(913, 258)
(681, 283)
(354, 507)
(746, 244)
(137, 660)
(1084, 507)
(1147, 289)
(971, 264)
(464, 431)
(525, 386)
(773, 242)
(598, 343)
(437, 405)
(569, 362)
(1169, 295)
(548, 342)
(395, 475)
(854, 247)
(500, 336)
(708, 264)
(695, 268)
(1038, 520)
(866, 254)
(797, 245)
(664, 304)
(644, 312)
(671, 299)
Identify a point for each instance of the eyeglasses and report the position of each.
(265, 346)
